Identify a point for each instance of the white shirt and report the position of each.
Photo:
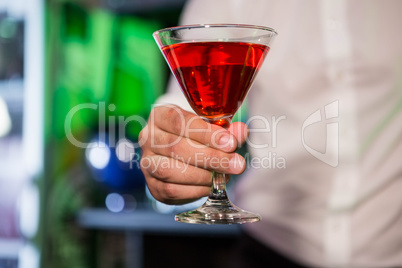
(329, 184)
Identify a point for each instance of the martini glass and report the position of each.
(215, 65)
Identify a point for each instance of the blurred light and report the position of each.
(98, 154)
(29, 210)
(10, 248)
(28, 257)
(130, 203)
(125, 150)
(115, 202)
(8, 28)
(5, 120)
(116, 3)
(33, 110)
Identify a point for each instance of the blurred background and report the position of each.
(77, 81)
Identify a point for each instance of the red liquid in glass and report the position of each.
(215, 76)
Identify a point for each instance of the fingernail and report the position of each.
(226, 140)
(236, 164)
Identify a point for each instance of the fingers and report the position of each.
(173, 119)
(180, 150)
(170, 170)
(175, 194)
(196, 154)
(174, 182)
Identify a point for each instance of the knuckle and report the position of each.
(158, 138)
(160, 172)
(143, 166)
(159, 142)
(169, 192)
(146, 164)
(154, 192)
(177, 122)
(170, 113)
(156, 188)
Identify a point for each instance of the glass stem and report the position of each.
(218, 187)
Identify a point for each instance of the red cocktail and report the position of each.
(215, 76)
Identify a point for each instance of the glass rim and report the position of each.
(216, 25)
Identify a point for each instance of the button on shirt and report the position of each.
(326, 175)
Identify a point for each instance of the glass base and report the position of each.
(217, 212)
